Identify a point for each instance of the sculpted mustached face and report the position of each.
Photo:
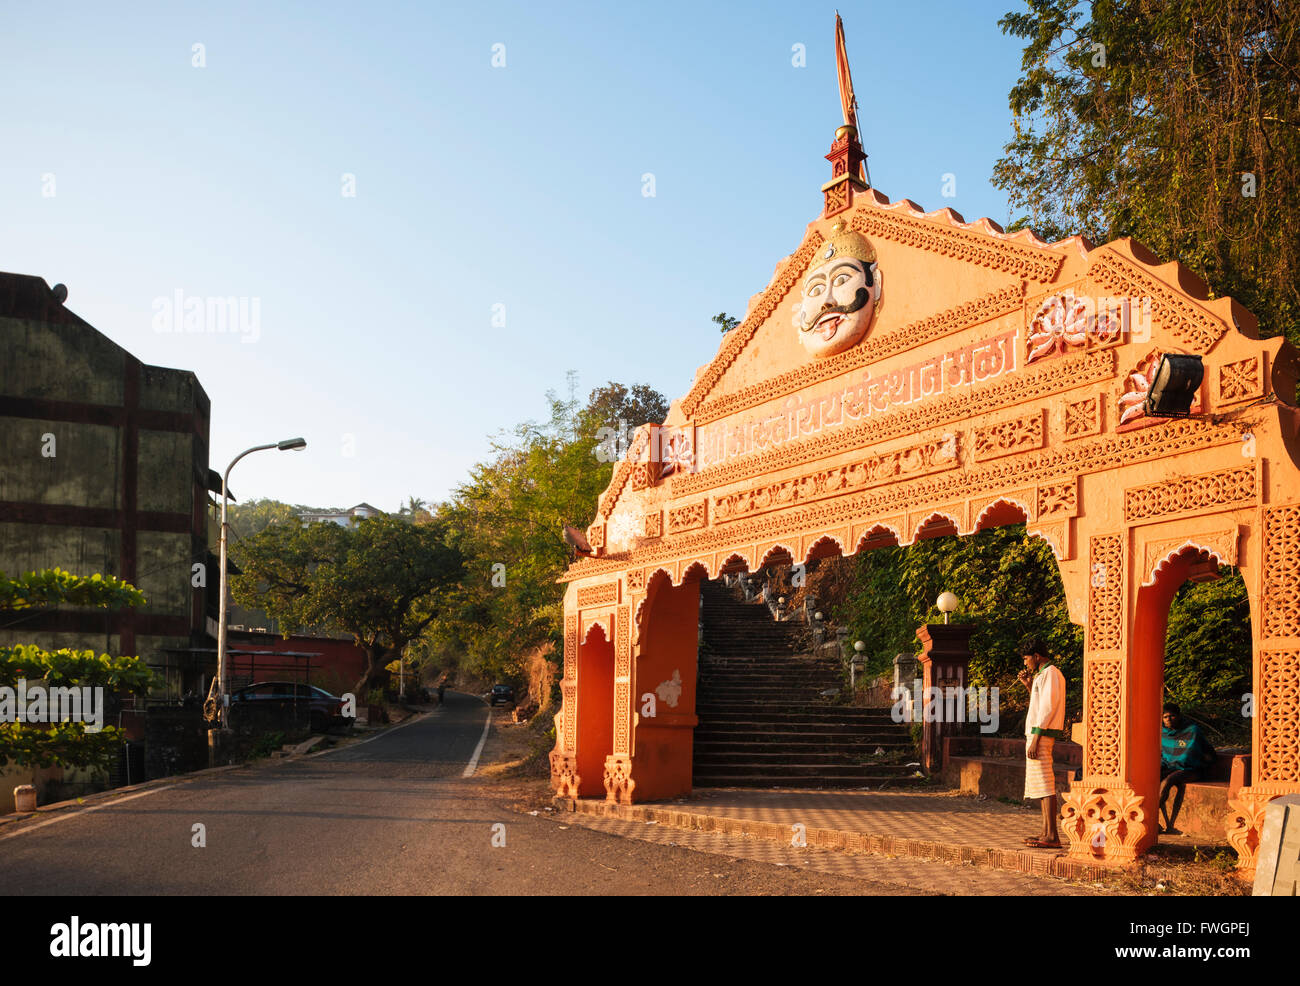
(837, 305)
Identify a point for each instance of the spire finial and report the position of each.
(848, 162)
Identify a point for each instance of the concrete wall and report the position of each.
(123, 492)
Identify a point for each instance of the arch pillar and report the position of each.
(1275, 729)
(654, 706)
(1109, 815)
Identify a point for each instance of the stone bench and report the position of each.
(995, 768)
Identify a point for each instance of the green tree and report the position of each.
(1208, 651)
(1176, 122)
(725, 322)
(1008, 584)
(507, 520)
(382, 580)
(415, 511)
(65, 743)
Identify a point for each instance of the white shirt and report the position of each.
(1046, 700)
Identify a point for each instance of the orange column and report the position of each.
(658, 762)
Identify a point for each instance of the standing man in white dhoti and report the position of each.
(1044, 722)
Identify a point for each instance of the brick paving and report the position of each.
(924, 826)
(911, 876)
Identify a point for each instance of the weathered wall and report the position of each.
(103, 469)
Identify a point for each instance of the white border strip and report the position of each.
(478, 750)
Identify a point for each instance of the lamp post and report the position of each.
(855, 662)
(223, 672)
(947, 603)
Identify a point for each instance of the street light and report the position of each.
(223, 677)
(947, 602)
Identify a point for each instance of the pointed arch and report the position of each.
(938, 524)
(878, 535)
(1002, 512)
(777, 554)
(736, 562)
(826, 546)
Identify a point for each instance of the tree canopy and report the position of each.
(507, 521)
(1175, 122)
(382, 580)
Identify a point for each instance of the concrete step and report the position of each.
(719, 779)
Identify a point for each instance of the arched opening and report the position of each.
(595, 719)
(823, 547)
(1000, 513)
(1192, 648)
(936, 526)
(1008, 583)
(878, 536)
(734, 565)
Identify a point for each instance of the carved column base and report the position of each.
(564, 774)
(1245, 822)
(618, 779)
(1103, 824)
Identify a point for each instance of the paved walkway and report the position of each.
(922, 825)
(911, 876)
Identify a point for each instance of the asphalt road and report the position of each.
(390, 815)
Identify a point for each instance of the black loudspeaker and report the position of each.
(1177, 380)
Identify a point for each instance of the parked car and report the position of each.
(501, 695)
(325, 710)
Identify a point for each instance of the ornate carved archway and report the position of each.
(998, 377)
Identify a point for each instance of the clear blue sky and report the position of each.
(475, 186)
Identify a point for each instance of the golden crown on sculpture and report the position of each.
(844, 242)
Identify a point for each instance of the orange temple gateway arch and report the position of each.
(908, 375)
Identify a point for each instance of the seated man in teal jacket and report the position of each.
(1185, 753)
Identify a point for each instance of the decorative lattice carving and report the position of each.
(1221, 545)
(1056, 535)
(597, 595)
(1181, 317)
(875, 349)
(1032, 263)
(1083, 418)
(1008, 437)
(564, 775)
(689, 516)
(1103, 823)
(1105, 592)
(645, 475)
(1184, 494)
(1058, 499)
(571, 646)
(1055, 376)
(618, 778)
(1049, 465)
(1245, 823)
(622, 646)
(1281, 575)
(1102, 685)
(1278, 709)
(654, 524)
(569, 691)
(636, 580)
(888, 467)
(1241, 381)
(596, 536)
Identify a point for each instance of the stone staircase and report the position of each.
(763, 721)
